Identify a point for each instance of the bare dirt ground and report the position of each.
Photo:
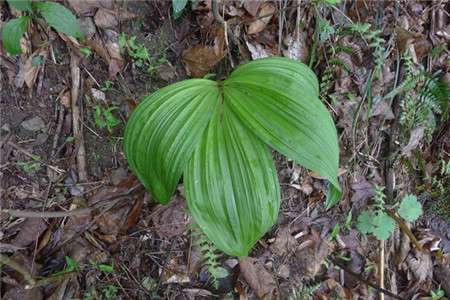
(76, 224)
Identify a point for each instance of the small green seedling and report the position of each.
(217, 135)
(104, 118)
(178, 6)
(439, 294)
(31, 166)
(379, 223)
(56, 15)
(139, 54)
(105, 268)
(71, 266)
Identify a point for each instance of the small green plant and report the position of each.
(107, 86)
(217, 135)
(110, 291)
(105, 268)
(104, 117)
(31, 166)
(178, 6)
(139, 53)
(56, 15)
(438, 295)
(71, 266)
(440, 191)
(377, 221)
(210, 256)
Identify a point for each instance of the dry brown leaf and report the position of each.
(420, 265)
(87, 7)
(200, 59)
(30, 230)
(170, 220)
(28, 72)
(257, 50)
(252, 6)
(414, 139)
(296, 48)
(283, 242)
(258, 278)
(105, 18)
(267, 8)
(116, 61)
(167, 72)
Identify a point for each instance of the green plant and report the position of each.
(104, 117)
(438, 295)
(31, 166)
(178, 6)
(56, 15)
(216, 135)
(139, 53)
(440, 190)
(71, 266)
(377, 221)
(210, 256)
(105, 268)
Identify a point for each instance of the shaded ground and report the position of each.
(127, 246)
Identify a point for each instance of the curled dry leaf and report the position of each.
(106, 18)
(296, 48)
(167, 72)
(170, 220)
(257, 50)
(30, 230)
(283, 242)
(267, 8)
(28, 72)
(414, 139)
(200, 59)
(420, 265)
(88, 7)
(252, 7)
(258, 278)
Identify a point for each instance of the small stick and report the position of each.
(50, 279)
(360, 278)
(405, 229)
(58, 130)
(46, 214)
(76, 117)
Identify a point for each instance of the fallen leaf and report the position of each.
(382, 108)
(116, 61)
(98, 95)
(134, 214)
(170, 220)
(167, 72)
(420, 265)
(252, 6)
(296, 48)
(284, 241)
(362, 192)
(30, 230)
(267, 8)
(257, 50)
(415, 137)
(28, 71)
(258, 278)
(106, 18)
(87, 7)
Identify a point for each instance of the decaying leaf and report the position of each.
(252, 6)
(259, 279)
(296, 48)
(170, 220)
(267, 8)
(414, 139)
(257, 50)
(200, 59)
(106, 18)
(30, 230)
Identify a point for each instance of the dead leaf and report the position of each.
(252, 6)
(28, 71)
(258, 278)
(170, 220)
(414, 140)
(420, 265)
(267, 8)
(134, 214)
(30, 230)
(257, 50)
(382, 108)
(283, 242)
(116, 61)
(167, 72)
(87, 7)
(362, 192)
(200, 59)
(98, 95)
(296, 48)
(105, 18)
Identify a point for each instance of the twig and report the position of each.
(360, 278)
(46, 214)
(50, 279)
(58, 130)
(76, 117)
(5, 260)
(382, 268)
(405, 229)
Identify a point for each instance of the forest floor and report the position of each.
(76, 224)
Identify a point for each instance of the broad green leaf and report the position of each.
(59, 17)
(410, 209)
(364, 222)
(231, 185)
(12, 32)
(278, 100)
(178, 6)
(164, 129)
(383, 226)
(22, 5)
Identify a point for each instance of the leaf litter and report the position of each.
(142, 240)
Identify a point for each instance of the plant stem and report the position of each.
(5, 260)
(405, 229)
